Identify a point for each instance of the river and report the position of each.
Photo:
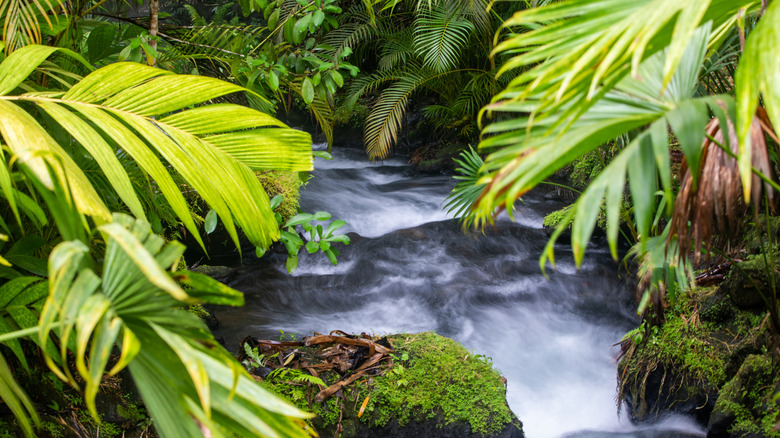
(411, 268)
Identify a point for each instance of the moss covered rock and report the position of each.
(435, 388)
(690, 364)
(745, 406)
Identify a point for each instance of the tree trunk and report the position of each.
(154, 8)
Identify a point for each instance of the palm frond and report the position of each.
(466, 192)
(386, 117)
(132, 104)
(398, 50)
(189, 383)
(530, 156)
(587, 47)
(439, 36)
(22, 21)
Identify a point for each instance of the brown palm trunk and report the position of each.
(154, 9)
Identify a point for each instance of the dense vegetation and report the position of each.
(123, 132)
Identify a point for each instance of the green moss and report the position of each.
(555, 218)
(432, 377)
(749, 397)
(103, 428)
(55, 430)
(354, 116)
(199, 311)
(283, 183)
(586, 168)
(439, 376)
(131, 412)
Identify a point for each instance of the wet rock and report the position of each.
(222, 274)
(744, 401)
(717, 307)
(749, 281)
(665, 390)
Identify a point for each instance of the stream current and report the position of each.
(411, 268)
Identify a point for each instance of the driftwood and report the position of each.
(351, 357)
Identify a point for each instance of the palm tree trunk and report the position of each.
(154, 9)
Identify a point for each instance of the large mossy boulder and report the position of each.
(704, 361)
(433, 387)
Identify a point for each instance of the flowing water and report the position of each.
(410, 268)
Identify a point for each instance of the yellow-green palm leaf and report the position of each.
(128, 109)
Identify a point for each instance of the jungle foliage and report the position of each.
(657, 73)
(96, 157)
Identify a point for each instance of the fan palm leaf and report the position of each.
(147, 112)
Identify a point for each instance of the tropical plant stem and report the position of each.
(26, 332)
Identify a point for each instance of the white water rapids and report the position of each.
(413, 269)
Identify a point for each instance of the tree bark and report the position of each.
(154, 9)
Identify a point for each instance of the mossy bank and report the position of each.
(435, 388)
(712, 358)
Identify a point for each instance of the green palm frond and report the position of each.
(590, 50)
(439, 36)
(386, 117)
(188, 382)
(470, 173)
(528, 156)
(147, 112)
(355, 28)
(476, 93)
(366, 84)
(217, 42)
(398, 51)
(22, 21)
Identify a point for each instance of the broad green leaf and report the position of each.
(31, 294)
(180, 91)
(321, 216)
(110, 80)
(13, 344)
(307, 91)
(210, 222)
(27, 139)
(11, 289)
(143, 260)
(220, 118)
(688, 122)
(757, 76)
